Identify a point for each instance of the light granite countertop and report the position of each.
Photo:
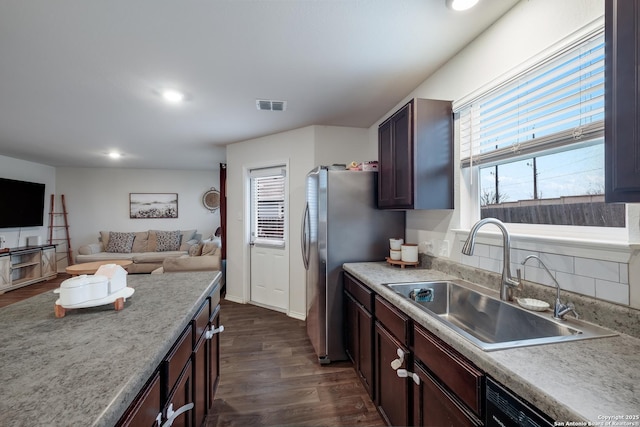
(572, 381)
(86, 368)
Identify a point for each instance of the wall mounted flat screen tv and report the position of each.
(21, 203)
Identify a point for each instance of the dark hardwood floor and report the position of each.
(269, 374)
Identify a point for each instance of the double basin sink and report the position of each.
(490, 323)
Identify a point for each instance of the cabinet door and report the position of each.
(365, 348)
(351, 328)
(146, 408)
(395, 160)
(622, 101)
(181, 397)
(433, 406)
(359, 345)
(200, 381)
(392, 392)
(48, 262)
(213, 357)
(5, 272)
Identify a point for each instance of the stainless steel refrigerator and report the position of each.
(341, 223)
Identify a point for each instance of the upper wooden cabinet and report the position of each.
(415, 157)
(622, 100)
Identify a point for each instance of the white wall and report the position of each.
(303, 149)
(26, 171)
(98, 199)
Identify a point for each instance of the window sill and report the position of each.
(609, 250)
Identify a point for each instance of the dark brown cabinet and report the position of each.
(417, 378)
(450, 389)
(415, 157)
(434, 406)
(622, 101)
(146, 410)
(390, 354)
(392, 392)
(213, 353)
(185, 383)
(359, 331)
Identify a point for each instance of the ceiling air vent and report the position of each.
(266, 105)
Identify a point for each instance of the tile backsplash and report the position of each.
(605, 280)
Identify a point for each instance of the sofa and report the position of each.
(147, 249)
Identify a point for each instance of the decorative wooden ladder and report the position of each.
(53, 215)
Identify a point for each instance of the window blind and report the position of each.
(268, 202)
(557, 103)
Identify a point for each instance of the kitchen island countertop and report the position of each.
(87, 367)
(587, 380)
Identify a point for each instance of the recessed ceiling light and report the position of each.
(172, 96)
(114, 155)
(459, 5)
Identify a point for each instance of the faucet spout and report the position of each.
(559, 309)
(508, 282)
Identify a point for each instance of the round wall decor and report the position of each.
(211, 199)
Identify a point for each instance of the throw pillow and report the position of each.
(195, 250)
(140, 241)
(120, 242)
(167, 241)
(209, 248)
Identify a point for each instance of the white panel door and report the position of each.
(269, 247)
(270, 276)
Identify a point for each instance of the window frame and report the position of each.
(469, 198)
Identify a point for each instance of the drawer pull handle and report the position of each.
(403, 373)
(171, 415)
(396, 363)
(209, 334)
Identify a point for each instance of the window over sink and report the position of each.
(532, 146)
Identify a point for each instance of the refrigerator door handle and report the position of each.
(305, 237)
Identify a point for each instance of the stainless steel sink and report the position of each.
(490, 323)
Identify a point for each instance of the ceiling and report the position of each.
(80, 78)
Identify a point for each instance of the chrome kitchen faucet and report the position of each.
(559, 309)
(508, 283)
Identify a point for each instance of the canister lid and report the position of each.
(83, 280)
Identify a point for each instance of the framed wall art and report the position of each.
(153, 205)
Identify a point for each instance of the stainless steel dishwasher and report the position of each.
(505, 409)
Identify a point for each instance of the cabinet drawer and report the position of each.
(178, 358)
(360, 293)
(459, 375)
(396, 322)
(201, 320)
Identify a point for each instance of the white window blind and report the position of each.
(268, 206)
(555, 104)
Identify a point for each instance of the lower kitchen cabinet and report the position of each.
(145, 411)
(184, 385)
(180, 403)
(392, 392)
(434, 406)
(213, 353)
(359, 331)
(417, 378)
